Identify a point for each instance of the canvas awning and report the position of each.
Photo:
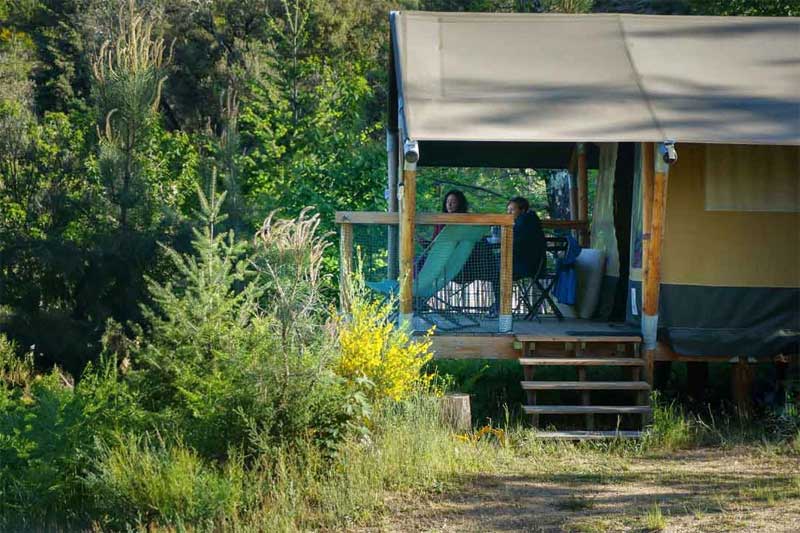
(466, 78)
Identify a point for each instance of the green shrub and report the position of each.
(236, 355)
(141, 479)
(49, 430)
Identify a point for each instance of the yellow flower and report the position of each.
(372, 347)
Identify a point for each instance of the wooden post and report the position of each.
(407, 207)
(346, 266)
(506, 278)
(742, 381)
(696, 379)
(652, 240)
(583, 193)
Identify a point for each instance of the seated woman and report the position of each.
(454, 202)
(529, 246)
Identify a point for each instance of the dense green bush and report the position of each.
(49, 430)
(230, 375)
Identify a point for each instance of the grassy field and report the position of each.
(685, 474)
(575, 488)
(595, 488)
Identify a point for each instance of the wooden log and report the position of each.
(408, 205)
(346, 264)
(456, 411)
(657, 222)
(583, 192)
(506, 274)
(654, 207)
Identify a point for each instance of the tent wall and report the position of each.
(726, 248)
(730, 279)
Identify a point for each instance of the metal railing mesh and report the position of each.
(456, 272)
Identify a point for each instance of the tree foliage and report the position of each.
(113, 112)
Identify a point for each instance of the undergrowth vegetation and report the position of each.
(243, 402)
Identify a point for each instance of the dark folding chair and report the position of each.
(555, 249)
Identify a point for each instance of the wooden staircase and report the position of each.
(582, 353)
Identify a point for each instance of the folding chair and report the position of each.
(556, 248)
(445, 256)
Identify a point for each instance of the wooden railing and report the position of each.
(476, 219)
(346, 220)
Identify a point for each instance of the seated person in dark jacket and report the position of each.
(529, 244)
(529, 247)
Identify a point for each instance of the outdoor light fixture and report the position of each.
(668, 152)
(411, 151)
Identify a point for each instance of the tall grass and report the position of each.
(409, 450)
(671, 429)
(146, 482)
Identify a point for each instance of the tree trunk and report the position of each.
(558, 195)
(456, 411)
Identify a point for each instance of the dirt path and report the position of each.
(715, 490)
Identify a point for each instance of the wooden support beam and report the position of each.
(657, 221)
(654, 208)
(743, 387)
(407, 208)
(506, 276)
(346, 266)
(583, 192)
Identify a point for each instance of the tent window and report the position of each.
(752, 178)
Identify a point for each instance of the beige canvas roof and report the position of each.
(600, 77)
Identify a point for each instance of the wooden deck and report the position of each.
(547, 327)
(484, 342)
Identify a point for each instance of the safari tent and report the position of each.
(699, 116)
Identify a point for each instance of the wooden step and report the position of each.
(581, 361)
(585, 385)
(580, 338)
(585, 409)
(586, 435)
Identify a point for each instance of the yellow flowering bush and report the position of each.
(371, 346)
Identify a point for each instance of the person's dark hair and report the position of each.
(463, 205)
(521, 202)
